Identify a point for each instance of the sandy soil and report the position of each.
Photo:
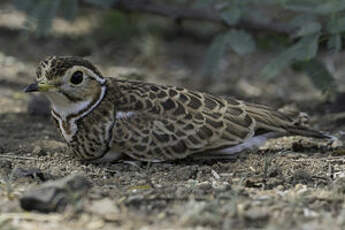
(292, 183)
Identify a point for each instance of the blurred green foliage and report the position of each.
(117, 24)
(42, 12)
(315, 22)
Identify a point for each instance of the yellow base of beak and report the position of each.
(34, 87)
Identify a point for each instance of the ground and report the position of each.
(291, 182)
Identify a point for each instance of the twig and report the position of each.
(11, 156)
(30, 216)
(215, 174)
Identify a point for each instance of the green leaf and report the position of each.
(102, 3)
(24, 5)
(44, 13)
(329, 7)
(241, 42)
(302, 19)
(202, 3)
(268, 2)
(336, 25)
(274, 67)
(231, 15)
(318, 74)
(305, 49)
(70, 9)
(213, 55)
(255, 15)
(308, 28)
(334, 43)
(298, 7)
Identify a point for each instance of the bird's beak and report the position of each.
(40, 86)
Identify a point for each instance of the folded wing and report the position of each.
(162, 123)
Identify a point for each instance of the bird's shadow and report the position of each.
(19, 132)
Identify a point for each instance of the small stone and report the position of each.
(34, 173)
(301, 188)
(105, 208)
(204, 185)
(336, 143)
(310, 213)
(257, 214)
(191, 183)
(5, 166)
(221, 187)
(37, 150)
(339, 185)
(53, 196)
(181, 191)
(254, 182)
(186, 173)
(215, 174)
(280, 188)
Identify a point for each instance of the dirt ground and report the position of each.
(291, 183)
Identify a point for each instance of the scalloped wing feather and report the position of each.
(172, 123)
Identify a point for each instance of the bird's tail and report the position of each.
(285, 120)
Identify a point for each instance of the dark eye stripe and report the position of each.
(70, 97)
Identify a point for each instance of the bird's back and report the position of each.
(157, 122)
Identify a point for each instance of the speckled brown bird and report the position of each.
(100, 116)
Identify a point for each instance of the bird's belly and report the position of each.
(231, 152)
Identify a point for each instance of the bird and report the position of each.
(104, 117)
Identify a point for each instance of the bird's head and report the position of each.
(68, 81)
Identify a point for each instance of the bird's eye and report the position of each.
(77, 78)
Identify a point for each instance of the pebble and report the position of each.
(34, 173)
(5, 166)
(280, 188)
(37, 150)
(204, 185)
(221, 187)
(256, 214)
(105, 208)
(337, 143)
(54, 196)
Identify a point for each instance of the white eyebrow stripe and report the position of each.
(124, 115)
(99, 79)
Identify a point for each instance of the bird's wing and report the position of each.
(165, 122)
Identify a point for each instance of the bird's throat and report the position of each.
(66, 113)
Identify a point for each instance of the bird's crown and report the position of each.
(54, 66)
